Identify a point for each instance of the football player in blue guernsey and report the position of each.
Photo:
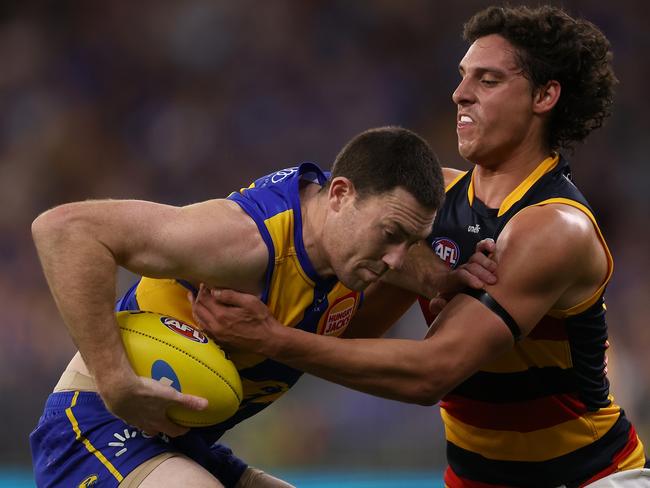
(519, 368)
(305, 242)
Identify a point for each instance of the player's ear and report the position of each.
(341, 190)
(546, 97)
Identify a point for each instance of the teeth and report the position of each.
(465, 118)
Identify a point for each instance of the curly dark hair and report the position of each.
(551, 45)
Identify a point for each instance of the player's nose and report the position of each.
(395, 256)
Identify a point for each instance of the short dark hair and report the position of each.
(379, 160)
(551, 45)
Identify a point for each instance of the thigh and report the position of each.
(178, 471)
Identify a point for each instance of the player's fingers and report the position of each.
(469, 279)
(436, 305)
(199, 313)
(486, 246)
(483, 260)
(203, 295)
(479, 275)
(192, 402)
(228, 297)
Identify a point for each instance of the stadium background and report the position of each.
(184, 101)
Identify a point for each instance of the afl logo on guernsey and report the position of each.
(339, 314)
(447, 250)
(184, 329)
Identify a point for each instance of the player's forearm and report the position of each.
(391, 368)
(422, 272)
(81, 271)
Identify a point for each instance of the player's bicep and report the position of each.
(539, 255)
(210, 241)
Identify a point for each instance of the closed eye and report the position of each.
(392, 237)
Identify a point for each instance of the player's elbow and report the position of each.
(423, 388)
(431, 381)
(427, 393)
(50, 226)
(46, 224)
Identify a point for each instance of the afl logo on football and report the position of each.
(282, 175)
(447, 250)
(339, 315)
(184, 329)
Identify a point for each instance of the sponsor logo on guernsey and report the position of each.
(475, 229)
(339, 314)
(89, 482)
(447, 250)
(184, 329)
(122, 438)
(283, 174)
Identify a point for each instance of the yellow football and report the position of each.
(178, 354)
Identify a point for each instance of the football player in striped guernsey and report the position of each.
(519, 368)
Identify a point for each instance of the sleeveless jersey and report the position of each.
(540, 415)
(293, 291)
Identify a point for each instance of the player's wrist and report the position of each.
(113, 380)
(283, 343)
(274, 342)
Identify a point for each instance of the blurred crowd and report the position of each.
(183, 101)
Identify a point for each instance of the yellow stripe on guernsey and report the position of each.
(538, 445)
(635, 460)
(456, 179)
(87, 444)
(289, 279)
(581, 307)
(515, 195)
(540, 353)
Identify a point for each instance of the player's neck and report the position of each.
(495, 180)
(313, 216)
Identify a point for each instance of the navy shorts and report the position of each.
(79, 443)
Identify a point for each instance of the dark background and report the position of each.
(183, 101)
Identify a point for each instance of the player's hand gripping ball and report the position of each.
(173, 352)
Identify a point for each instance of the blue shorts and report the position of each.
(79, 443)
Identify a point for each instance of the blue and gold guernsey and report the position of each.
(78, 442)
(540, 415)
(293, 291)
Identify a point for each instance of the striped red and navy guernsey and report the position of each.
(540, 415)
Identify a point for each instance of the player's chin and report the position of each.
(354, 282)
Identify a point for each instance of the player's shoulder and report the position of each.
(557, 235)
(452, 175)
(553, 220)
